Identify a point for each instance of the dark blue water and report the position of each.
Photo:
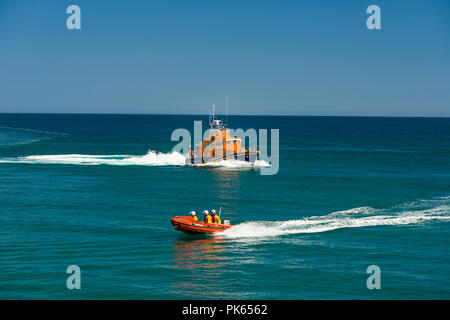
(92, 191)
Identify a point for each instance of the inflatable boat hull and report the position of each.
(188, 225)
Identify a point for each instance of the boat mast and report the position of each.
(212, 116)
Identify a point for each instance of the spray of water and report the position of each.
(152, 158)
(419, 212)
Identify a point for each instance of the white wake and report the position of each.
(152, 158)
(438, 210)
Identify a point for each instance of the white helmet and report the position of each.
(213, 211)
(205, 212)
(192, 213)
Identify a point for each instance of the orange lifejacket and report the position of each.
(216, 219)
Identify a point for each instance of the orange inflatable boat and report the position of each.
(188, 225)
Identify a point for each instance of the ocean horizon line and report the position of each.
(230, 115)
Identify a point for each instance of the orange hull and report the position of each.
(187, 225)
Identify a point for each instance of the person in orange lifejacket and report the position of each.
(215, 218)
(208, 218)
(194, 216)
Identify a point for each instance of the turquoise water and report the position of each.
(92, 191)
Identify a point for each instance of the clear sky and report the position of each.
(270, 57)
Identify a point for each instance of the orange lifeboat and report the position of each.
(188, 225)
(220, 145)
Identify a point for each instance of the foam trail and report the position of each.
(152, 158)
(353, 218)
(10, 136)
(34, 130)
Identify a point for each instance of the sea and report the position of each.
(359, 209)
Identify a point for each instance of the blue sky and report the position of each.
(270, 57)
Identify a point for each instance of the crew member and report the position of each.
(208, 218)
(215, 218)
(194, 216)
